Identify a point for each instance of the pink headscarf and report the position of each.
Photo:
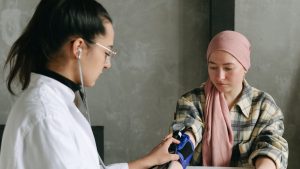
(234, 43)
(218, 135)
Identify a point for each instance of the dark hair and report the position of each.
(53, 22)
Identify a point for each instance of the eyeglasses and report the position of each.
(110, 53)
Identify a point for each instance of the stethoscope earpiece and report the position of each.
(79, 51)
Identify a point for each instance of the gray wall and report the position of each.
(14, 16)
(273, 29)
(161, 55)
(160, 46)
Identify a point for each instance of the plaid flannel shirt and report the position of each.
(256, 120)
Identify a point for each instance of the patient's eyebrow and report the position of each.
(228, 63)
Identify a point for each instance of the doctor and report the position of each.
(64, 48)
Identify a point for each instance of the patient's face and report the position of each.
(225, 72)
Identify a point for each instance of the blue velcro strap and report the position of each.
(185, 150)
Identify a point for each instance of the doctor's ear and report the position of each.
(77, 47)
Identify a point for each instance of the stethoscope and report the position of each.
(83, 95)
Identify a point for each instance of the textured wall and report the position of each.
(161, 47)
(273, 28)
(161, 55)
(14, 16)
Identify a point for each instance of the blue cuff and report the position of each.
(185, 150)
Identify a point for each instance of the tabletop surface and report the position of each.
(204, 167)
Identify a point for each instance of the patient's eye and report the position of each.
(213, 67)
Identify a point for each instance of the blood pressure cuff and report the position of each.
(185, 150)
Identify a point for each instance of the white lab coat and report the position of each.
(45, 130)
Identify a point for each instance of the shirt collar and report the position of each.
(245, 100)
(62, 91)
(67, 82)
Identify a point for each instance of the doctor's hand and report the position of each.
(160, 153)
(157, 156)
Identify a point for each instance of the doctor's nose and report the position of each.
(107, 63)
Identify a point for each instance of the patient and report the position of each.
(229, 122)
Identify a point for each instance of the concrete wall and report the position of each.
(161, 55)
(273, 29)
(14, 15)
(160, 43)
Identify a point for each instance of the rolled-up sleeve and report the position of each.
(189, 112)
(269, 141)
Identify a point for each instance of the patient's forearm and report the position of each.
(175, 165)
(264, 162)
